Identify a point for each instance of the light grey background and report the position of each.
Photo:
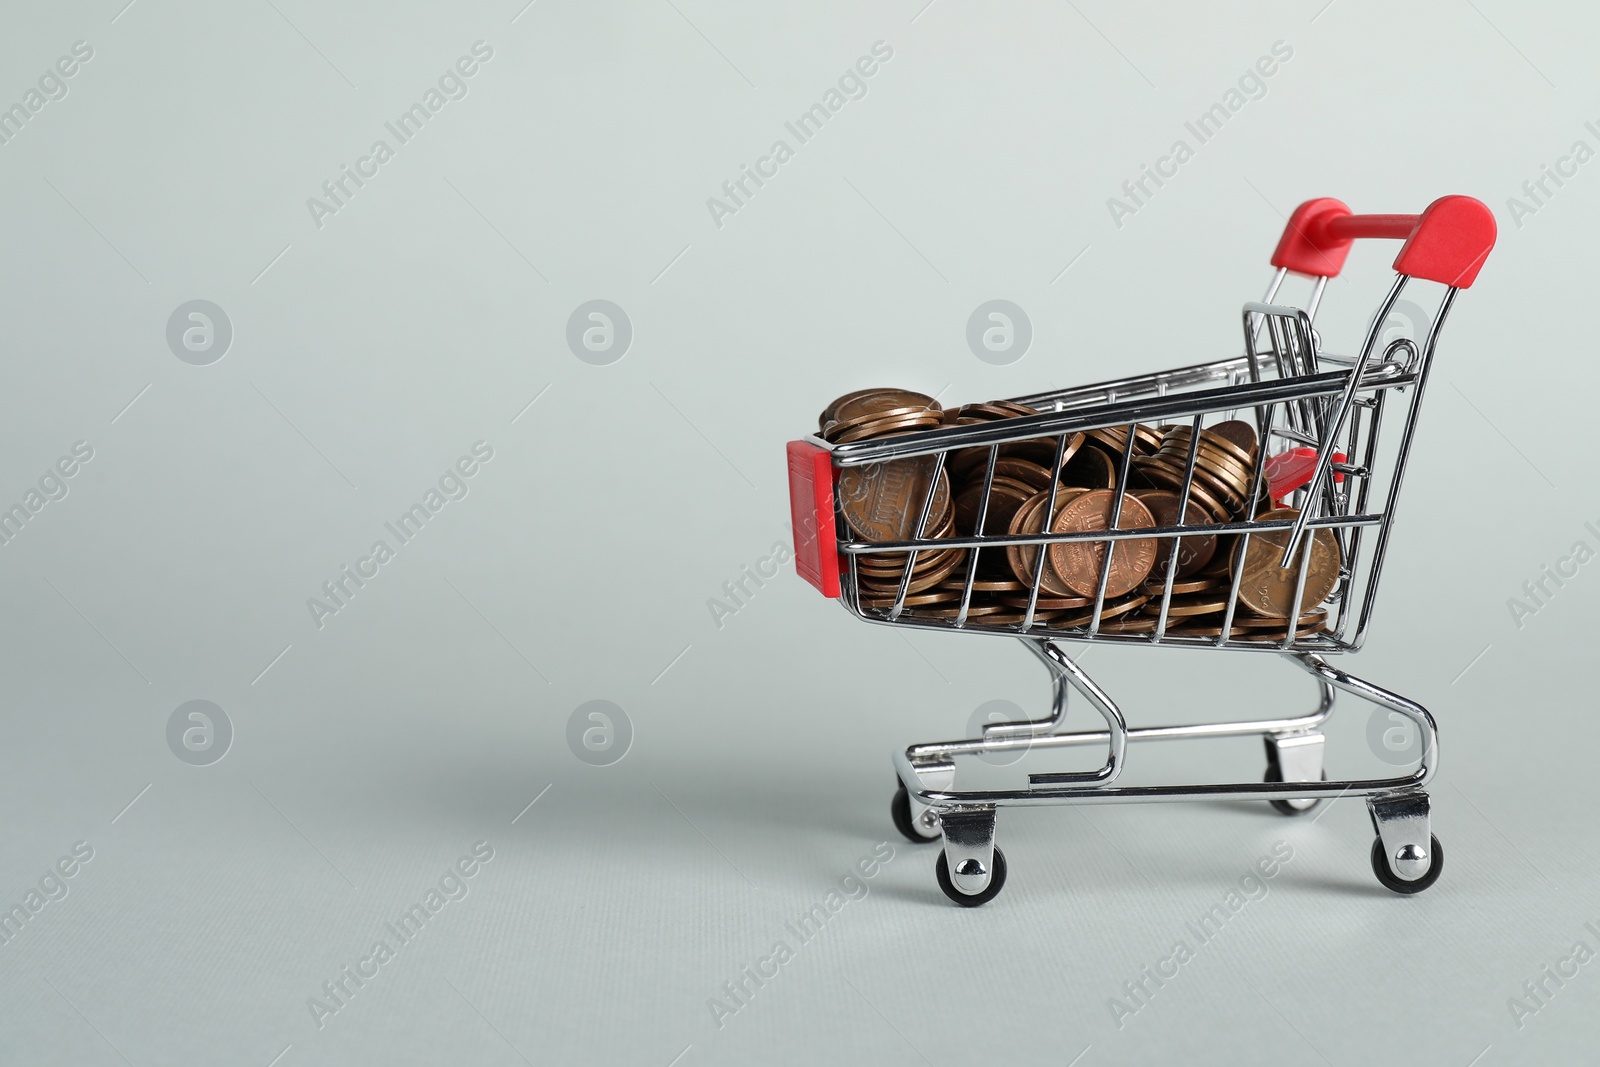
(430, 312)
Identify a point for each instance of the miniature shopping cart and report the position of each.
(1331, 411)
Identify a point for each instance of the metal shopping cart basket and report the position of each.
(1318, 420)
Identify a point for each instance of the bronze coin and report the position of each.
(1131, 624)
(1017, 410)
(981, 585)
(920, 582)
(1040, 619)
(842, 433)
(1078, 563)
(1193, 552)
(1162, 476)
(1004, 500)
(1042, 450)
(1209, 436)
(1240, 433)
(1157, 584)
(1268, 589)
(1029, 519)
(882, 501)
(1090, 468)
(1194, 604)
(974, 611)
(830, 413)
(933, 599)
(884, 402)
(1048, 603)
(1023, 470)
(1109, 610)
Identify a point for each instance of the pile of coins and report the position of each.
(1072, 486)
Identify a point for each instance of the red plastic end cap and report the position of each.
(816, 556)
(1304, 248)
(1452, 239)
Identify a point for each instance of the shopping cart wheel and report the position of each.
(918, 831)
(997, 881)
(1298, 806)
(1380, 867)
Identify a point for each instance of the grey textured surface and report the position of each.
(373, 347)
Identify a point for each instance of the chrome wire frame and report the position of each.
(1299, 396)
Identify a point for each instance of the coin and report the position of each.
(882, 501)
(1110, 609)
(1193, 604)
(1268, 589)
(1049, 603)
(1193, 552)
(883, 402)
(1222, 443)
(830, 413)
(1029, 519)
(1023, 470)
(1161, 476)
(912, 600)
(1089, 468)
(981, 585)
(1078, 563)
(1240, 433)
(1157, 584)
(844, 433)
(1004, 500)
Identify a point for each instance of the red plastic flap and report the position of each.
(1447, 243)
(1288, 471)
(816, 557)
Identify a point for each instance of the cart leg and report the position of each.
(971, 870)
(1295, 758)
(1406, 857)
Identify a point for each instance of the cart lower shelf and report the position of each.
(971, 869)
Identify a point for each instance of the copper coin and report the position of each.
(1225, 444)
(1048, 603)
(912, 600)
(1040, 619)
(882, 501)
(1109, 610)
(1195, 604)
(981, 585)
(1240, 433)
(1004, 500)
(830, 413)
(1023, 470)
(880, 403)
(1157, 584)
(1029, 519)
(1078, 563)
(1193, 552)
(1161, 476)
(1133, 624)
(1268, 589)
(1017, 410)
(974, 611)
(842, 433)
(919, 582)
(1089, 468)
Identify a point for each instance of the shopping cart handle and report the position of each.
(1447, 243)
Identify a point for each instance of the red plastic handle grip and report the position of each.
(1447, 243)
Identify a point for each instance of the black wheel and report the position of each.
(997, 881)
(1286, 807)
(1380, 867)
(900, 811)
